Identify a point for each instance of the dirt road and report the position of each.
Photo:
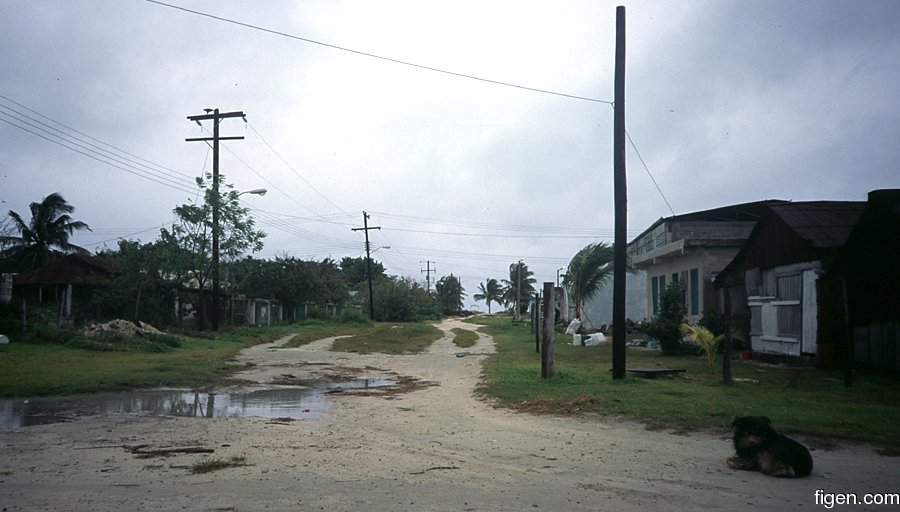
(434, 446)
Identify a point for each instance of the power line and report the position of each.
(648, 172)
(76, 143)
(289, 166)
(491, 235)
(374, 56)
(162, 168)
(159, 180)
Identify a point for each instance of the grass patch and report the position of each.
(34, 369)
(391, 338)
(464, 338)
(211, 465)
(312, 330)
(800, 401)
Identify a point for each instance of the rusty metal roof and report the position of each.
(73, 268)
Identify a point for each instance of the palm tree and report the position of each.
(588, 272)
(490, 291)
(519, 287)
(45, 237)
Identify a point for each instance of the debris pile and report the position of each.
(120, 327)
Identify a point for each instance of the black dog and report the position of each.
(760, 448)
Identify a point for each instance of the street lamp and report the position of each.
(256, 191)
(557, 276)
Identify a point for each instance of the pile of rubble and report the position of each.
(120, 328)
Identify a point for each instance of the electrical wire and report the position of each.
(374, 56)
(76, 142)
(638, 153)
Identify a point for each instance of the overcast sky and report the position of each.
(726, 101)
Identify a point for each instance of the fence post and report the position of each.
(547, 352)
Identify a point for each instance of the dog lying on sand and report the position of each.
(759, 447)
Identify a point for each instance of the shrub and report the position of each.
(666, 325)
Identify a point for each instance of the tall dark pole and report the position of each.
(215, 231)
(621, 198)
(216, 118)
(547, 352)
(366, 228)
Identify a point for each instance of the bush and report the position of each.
(666, 325)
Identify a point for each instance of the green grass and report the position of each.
(312, 330)
(29, 369)
(391, 338)
(464, 338)
(801, 401)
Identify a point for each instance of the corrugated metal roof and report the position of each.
(73, 268)
(824, 224)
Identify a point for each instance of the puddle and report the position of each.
(305, 402)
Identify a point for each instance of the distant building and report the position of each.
(598, 309)
(691, 249)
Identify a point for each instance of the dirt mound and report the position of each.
(120, 328)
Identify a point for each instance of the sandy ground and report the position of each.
(436, 447)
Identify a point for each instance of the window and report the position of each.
(790, 287)
(756, 322)
(695, 291)
(674, 278)
(790, 321)
(654, 293)
(660, 239)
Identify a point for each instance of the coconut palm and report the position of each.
(490, 291)
(588, 271)
(703, 337)
(45, 237)
(519, 287)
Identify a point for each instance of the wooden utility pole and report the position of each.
(428, 271)
(547, 352)
(366, 228)
(621, 197)
(216, 117)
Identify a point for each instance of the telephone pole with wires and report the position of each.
(428, 271)
(216, 117)
(620, 202)
(366, 228)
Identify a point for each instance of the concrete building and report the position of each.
(691, 249)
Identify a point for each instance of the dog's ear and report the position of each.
(766, 419)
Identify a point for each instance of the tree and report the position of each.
(519, 287)
(189, 242)
(490, 291)
(139, 291)
(450, 292)
(354, 270)
(45, 237)
(666, 325)
(588, 271)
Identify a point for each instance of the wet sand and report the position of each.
(429, 445)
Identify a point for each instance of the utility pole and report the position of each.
(216, 116)
(428, 271)
(621, 198)
(366, 228)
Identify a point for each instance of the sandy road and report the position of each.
(434, 448)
